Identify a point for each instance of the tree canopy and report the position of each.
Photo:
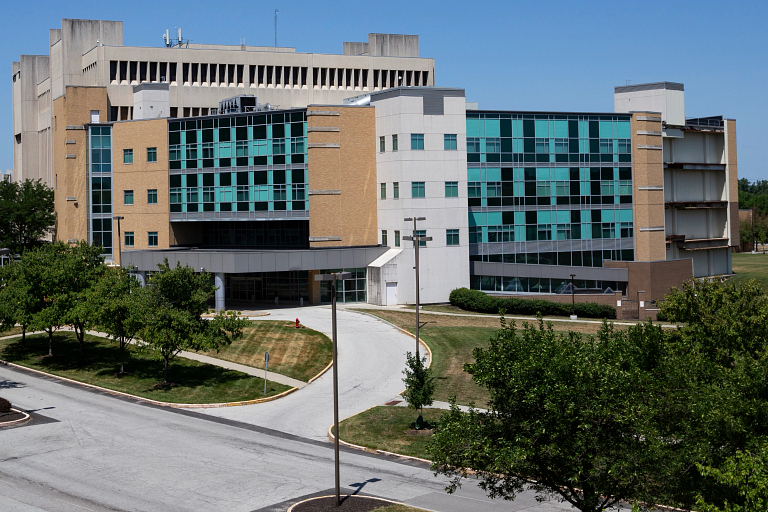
(26, 214)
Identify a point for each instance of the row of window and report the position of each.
(128, 155)
(552, 145)
(530, 233)
(152, 238)
(563, 258)
(417, 142)
(539, 284)
(418, 189)
(151, 196)
(451, 237)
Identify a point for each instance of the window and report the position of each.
(449, 140)
(396, 190)
(383, 190)
(381, 144)
(475, 189)
(561, 145)
(129, 238)
(128, 197)
(422, 232)
(417, 141)
(451, 189)
(152, 196)
(542, 145)
(417, 189)
(473, 144)
(451, 237)
(127, 156)
(394, 142)
(383, 237)
(606, 146)
(151, 154)
(493, 189)
(493, 145)
(152, 238)
(397, 239)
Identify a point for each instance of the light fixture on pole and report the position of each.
(118, 218)
(573, 299)
(417, 239)
(333, 278)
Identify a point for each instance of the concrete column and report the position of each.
(219, 281)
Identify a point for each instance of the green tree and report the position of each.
(745, 473)
(577, 420)
(26, 214)
(172, 308)
(419, 384)
(44, 267)
(116, 307)
(20, 298)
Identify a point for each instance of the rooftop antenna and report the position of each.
(167, 38)
(275, 28)
(180, 36)
(627, 82)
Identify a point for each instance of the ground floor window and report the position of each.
(540, 284)
(250, 288)
(350, 290)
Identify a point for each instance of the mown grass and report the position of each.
(385, 428)
(750, 266)
(192, 382)
(13, 331)
(297, 353)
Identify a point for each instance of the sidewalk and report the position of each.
(249, 370)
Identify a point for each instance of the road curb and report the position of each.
(313, 379)
(291, 508)
(371, 450)
(17, 422)
(149, 400)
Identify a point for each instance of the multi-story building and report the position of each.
(265, 198)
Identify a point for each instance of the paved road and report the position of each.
(371, 362)
(91, 451)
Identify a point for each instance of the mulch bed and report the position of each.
(348, 504)
(6, 417)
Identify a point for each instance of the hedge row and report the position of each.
(475, 300)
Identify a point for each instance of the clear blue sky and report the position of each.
(537, 55)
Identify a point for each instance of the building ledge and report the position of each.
(694, 166)
(697, 244)
(695, 205)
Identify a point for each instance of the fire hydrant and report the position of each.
(297, 323)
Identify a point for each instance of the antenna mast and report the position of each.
(275, 28)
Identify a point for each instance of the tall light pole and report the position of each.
(416, 241)
(573, 299)
(118, 218)
(338, 276)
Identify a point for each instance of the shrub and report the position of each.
(475, 300)
(5, 405)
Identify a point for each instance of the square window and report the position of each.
(417, 141)
(127, 156)
(152, 196)
(384, 237)
(473, 144)
(383, 190)
(451, 237)
(151, 154)
(129, 238)
(381, 144)
(422, 232)
(451, 189)
(152, 238)
(128, 197)
(396, 190)
(417, 189)
(397, 239)
(394, 142)
(449, 140)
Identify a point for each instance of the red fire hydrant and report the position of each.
(297, 323)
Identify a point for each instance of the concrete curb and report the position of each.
(313, 379)
(371, 450)
(290, 509)
(17, 422)
(149, 400)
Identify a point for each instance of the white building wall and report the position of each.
(442, 268)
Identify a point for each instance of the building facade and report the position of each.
(266, 167)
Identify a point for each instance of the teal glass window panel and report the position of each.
(625, 215)
(624, 130)
(607, 215)
(493, 174)
(417, 141)
(128, 197)
(129, 238)
(492, 145)
(606, 130)
(562, 174)
(127, 156)
(451, 189)
(519, 218)
(451, 237)
(449, 141)
(542, 174)
(544, 217)
(561, 129)
(563, 216)
(492, 128)
(475, 219)
(473, 174)
(494, 218)
(542, 128)
(473, 127)
(417, 189)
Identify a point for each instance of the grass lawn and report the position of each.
(193, 382)
(11, 332)
(384, 428)
(750, 266)
(297, 353)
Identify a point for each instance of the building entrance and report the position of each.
(243, 290)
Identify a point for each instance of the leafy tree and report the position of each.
(419, 384)
(577, 420)
(172, 308)
(116, 307)
(26, 214)
(44, 267)
(747, 474)
(19, 297)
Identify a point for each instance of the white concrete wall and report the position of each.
(443, 268)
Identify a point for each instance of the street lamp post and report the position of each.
(118, 218)
(416, 241)
(573, 299)
(333, 278)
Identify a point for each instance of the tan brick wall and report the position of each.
(70, 174)
(648, 170)
(733, 180)
(351, 168)
(141, 217)
(654, 277)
